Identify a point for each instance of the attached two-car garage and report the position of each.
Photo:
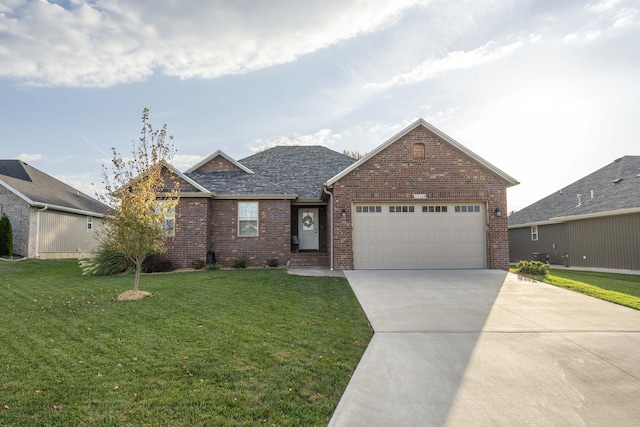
(419, 235)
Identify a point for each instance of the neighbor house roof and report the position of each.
(421, 122)
(42, 190)
(613, 189)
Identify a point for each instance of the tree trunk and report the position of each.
(136, 281)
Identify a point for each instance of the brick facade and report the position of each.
(445, 174)
(191, 241)
(204, 224)
(20, 215)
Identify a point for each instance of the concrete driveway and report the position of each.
(482, 347)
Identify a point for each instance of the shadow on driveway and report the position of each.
(480, 347)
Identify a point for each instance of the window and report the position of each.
(418, 151)
(470, 209)
(427, 209)
(400, 209)
(534, 233)
(89, 223)
(248, 219)
(368, 209)
(169, 223)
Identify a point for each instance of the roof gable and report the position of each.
(612, 188)
(421, 122)
(218, 162)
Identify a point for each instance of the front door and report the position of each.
(308, 228)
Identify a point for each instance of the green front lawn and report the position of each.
(246, 347)
(623, 289)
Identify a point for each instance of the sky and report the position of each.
(548, 91)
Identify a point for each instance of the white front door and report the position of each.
(308, 228)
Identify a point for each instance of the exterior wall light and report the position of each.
(498, 212)
(344, 213)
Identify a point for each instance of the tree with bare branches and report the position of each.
(143, 194)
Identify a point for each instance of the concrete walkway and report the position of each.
(485, 348)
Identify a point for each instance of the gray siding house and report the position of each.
(594, 222)
(50, 219)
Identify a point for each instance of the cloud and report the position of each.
(82, 182)
(101, 44)
(456, 60)
(184, 161)
(324, 137)
(30, 157)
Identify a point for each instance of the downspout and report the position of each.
(38, 230)
(324, 189)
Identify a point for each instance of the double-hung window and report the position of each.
(169, 223)
(89, 223)
(534, 233)
(248, 219)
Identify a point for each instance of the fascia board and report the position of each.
(216, 154)
(69, 210)
(16, 192)
(597, 214)
(421, 122)
(256, 196)
(187, 179)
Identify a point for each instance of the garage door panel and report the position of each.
(445, 236)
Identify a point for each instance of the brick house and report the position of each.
(420, 200)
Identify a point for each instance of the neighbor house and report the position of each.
(594, 222)
(50, 219)
(418, 201)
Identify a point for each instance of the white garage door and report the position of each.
(419, 236)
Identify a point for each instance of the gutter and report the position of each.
(324, 190)
(66, 209)
(564, 219)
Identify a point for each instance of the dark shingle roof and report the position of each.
(615, 187)
(41, 188)
(236, 183)
(302, 170)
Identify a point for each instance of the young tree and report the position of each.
(354, 154)
(6, 236)
(143, 193)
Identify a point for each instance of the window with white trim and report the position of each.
(89, 223)
(534, 233)
(248, 219)
(169, 223)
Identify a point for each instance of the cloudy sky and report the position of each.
(547, 90)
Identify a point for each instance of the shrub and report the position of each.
(272, 262)
(6, 236)
(197, 264)
(107, 262)
(157, 263)
(535, 268)
(214, 267)
(240, 262)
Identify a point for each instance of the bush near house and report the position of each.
(535, 268)
(6, 236)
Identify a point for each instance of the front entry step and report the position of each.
(308, 259)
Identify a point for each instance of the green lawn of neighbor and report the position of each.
(623, 289)
(209, 348)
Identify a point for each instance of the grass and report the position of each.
(623, 289)
(252, 347)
